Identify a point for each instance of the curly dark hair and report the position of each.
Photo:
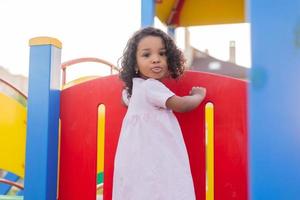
(175, 58)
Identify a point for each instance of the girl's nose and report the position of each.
(155, 59)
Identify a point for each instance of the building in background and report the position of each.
(201, 61)
(20, 82)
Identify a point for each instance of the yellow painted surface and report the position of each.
(101, 130)
(79, 80)
(203, 12)
(209, 120)
(45, 41)
(12, 135)
(163, 9)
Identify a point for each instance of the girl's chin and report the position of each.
(153, 76)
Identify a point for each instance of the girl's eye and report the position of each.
(163, 53)
(146, 55)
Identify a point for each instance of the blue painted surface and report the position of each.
(4, 188)
(274, 139)
(148, 13)
(20, 193)
(171, 32)
(42, 123)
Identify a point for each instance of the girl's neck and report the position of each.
(146, 77)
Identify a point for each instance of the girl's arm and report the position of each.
(187, 103)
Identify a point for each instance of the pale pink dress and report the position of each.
(151, 161)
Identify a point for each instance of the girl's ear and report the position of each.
(136, 70)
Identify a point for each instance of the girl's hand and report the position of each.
(187, 103)
(198, 91)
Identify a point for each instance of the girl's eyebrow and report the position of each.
(147, 49)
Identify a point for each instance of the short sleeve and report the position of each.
(157, 93)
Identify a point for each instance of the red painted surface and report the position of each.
(79, 135)
(176, 16)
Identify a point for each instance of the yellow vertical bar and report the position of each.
(100, 145)
(209, 139)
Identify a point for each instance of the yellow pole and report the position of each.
(209, 140)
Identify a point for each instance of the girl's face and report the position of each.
(151, 58)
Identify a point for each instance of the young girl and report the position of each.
(151, 160)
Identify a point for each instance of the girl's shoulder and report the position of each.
(150, 82)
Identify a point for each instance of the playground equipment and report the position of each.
(79, 134)
(69, 63)
(100, 113)
(230, 140)
(274, 139)
(78, 143)
(273, 88)
(12, 136)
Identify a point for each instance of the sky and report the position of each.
(96, 28)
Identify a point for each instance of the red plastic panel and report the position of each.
(79, 106)
(229, 97)
(78, 162)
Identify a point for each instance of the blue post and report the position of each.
(42, 119)
(148, 13)
(171, 31)
(274, 140)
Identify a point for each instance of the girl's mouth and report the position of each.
(156, 69)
